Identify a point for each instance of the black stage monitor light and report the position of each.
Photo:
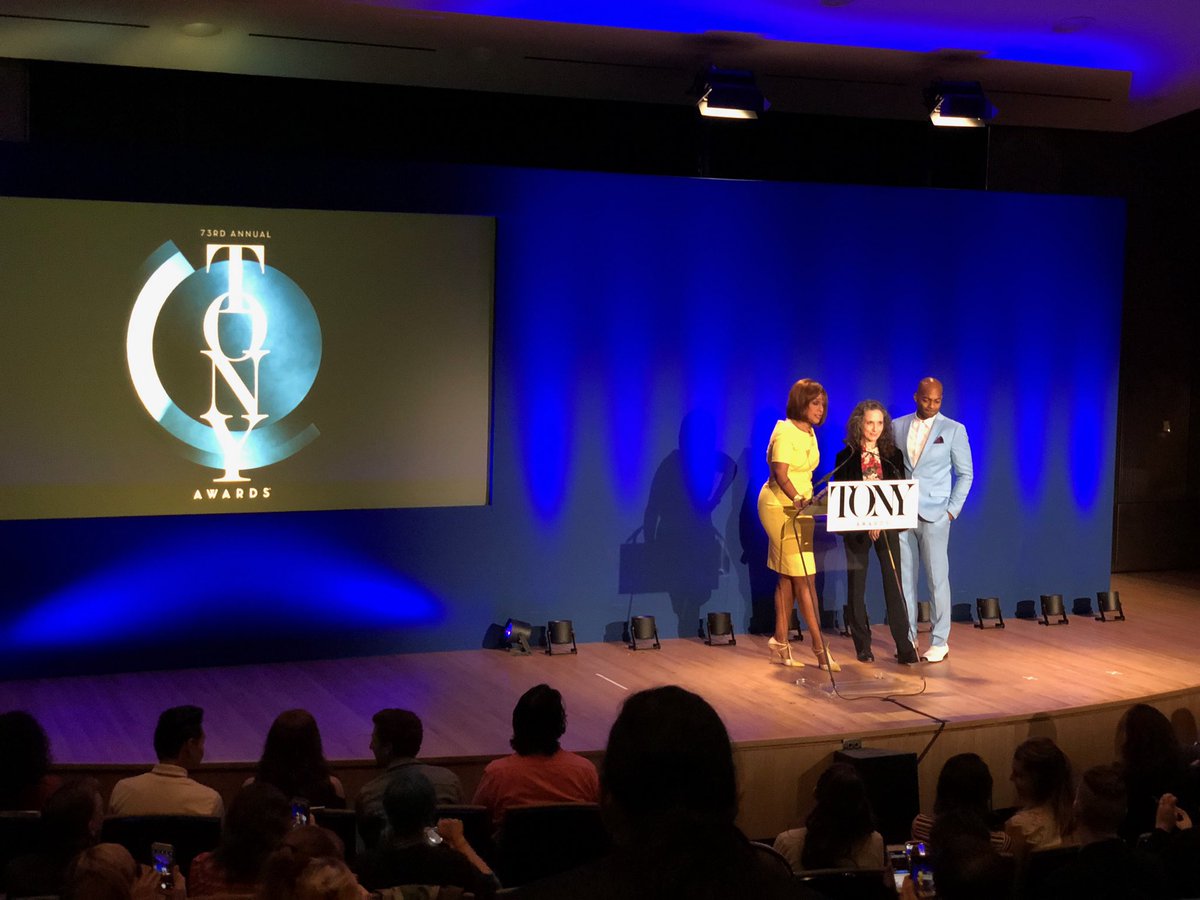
(643, 628)
(794, 626)
(1110, 602)
(987, 609)
(720, 624)
(560, 632)
(517, 634)
(1052, 605)
(924, 615)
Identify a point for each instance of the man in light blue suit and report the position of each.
(938, 454)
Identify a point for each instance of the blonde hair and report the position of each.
(326, 878)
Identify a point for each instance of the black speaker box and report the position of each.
(891, 780)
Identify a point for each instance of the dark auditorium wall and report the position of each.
(112, 118)
(1158, 470)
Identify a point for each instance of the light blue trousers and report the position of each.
(930, 541)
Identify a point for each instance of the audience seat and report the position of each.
(538, 841)
(20, 833)
(189, 835)
(1040, 864)
(477, 826)
(343, 823)
(771, 857)
(848, 884)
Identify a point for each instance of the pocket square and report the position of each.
(939, 440)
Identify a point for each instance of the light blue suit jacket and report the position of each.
(946, 451)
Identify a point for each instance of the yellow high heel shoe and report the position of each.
(783, 650)
(825, 659)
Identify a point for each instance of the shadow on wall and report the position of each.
(680, 552)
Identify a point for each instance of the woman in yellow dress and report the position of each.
(793, 455)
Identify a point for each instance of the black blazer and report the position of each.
(848, 466)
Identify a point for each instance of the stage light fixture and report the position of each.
(720, 624)
(1052, 605)
(1081, 606)
(729, 94)
(643, 628)
(560, 632)
(794, 626)
(1110, 602)
(517, 634)
(1025, 610)
(958, 104)
(987, 609)
(924, 615)
(844, 631)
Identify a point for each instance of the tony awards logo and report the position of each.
(221, 357)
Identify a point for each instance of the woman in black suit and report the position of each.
(871, 454)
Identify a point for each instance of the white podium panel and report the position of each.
(870, 505)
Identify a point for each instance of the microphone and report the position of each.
(887, 462)
(838, 467)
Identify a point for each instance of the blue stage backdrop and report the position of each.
(646, 333)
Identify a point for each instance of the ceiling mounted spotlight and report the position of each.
(729, 94)
(958, 104)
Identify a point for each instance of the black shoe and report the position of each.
(866, 656)
(908, 659)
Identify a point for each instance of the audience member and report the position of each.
(1177, 845)
(395, 743)
(259, 818)
(411, 854)
(71, 822)
(287, 862)
(964, 860)
(965, 783)
(840, 831)
(540, 771)
(25, 782)
(1152, 763)
(1106, 868)
(294, 761)
(1041, 775)
(671, 798)
(108, 872)
(327, 879)
(166, 789)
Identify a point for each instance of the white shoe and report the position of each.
(936, 653)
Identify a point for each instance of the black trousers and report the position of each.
(858, 548)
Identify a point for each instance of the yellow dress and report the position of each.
(798, 448)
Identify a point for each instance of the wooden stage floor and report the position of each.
(996, 688)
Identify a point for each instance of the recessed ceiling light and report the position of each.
(1073, 24)
(200, 29)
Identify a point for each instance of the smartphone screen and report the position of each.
(919, 869)
(300, 812)
(164, 863)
